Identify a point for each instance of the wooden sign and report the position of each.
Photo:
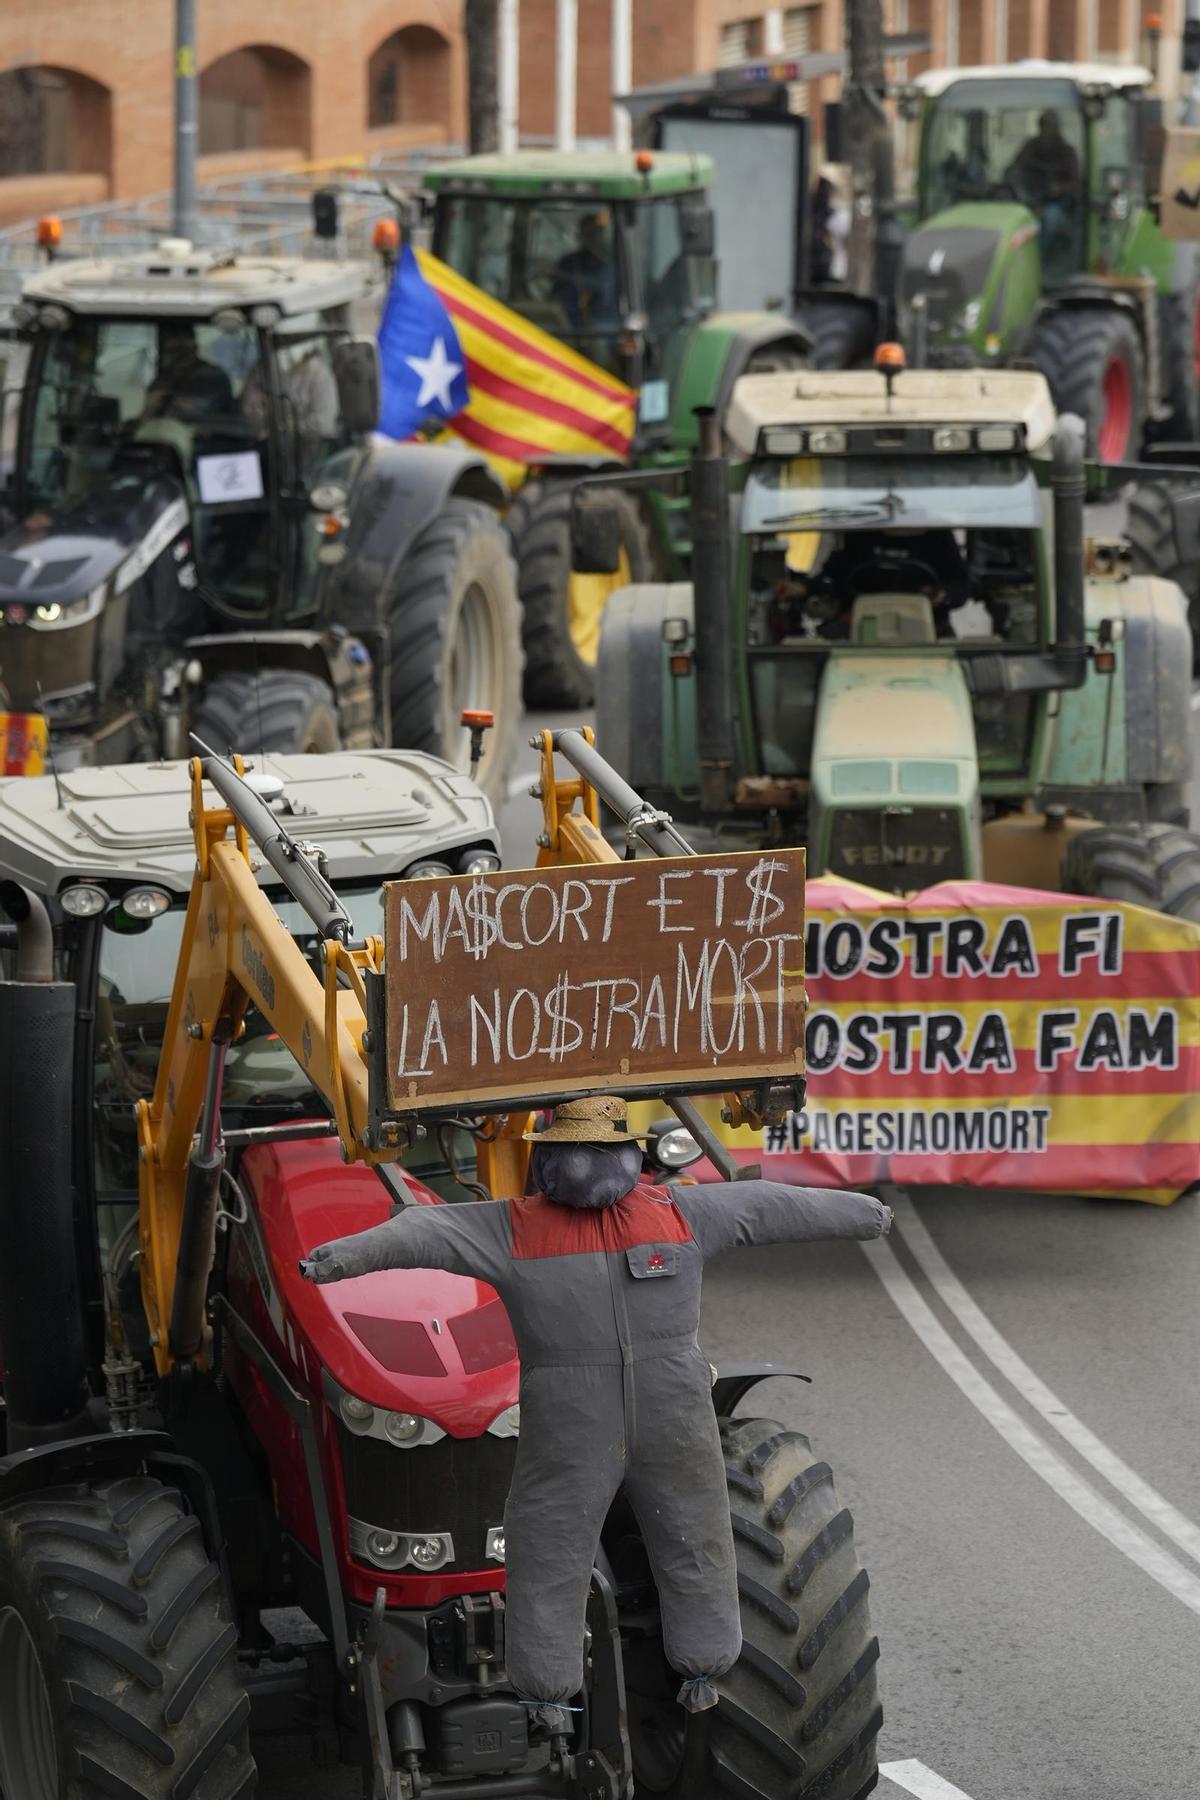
(1181, 185)
(679, 973)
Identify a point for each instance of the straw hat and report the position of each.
(600, 1119)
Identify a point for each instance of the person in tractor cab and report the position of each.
(185, 386)
(1046, 174)
(601, 1272)
(585, 278)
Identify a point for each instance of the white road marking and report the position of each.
(915, 1778)
(1195, 701)
(1080, 1496)
(1129, 1484)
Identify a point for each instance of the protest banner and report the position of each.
(995, 1037)
(618, 976)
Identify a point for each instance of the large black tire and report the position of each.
(456, 641)
(1179, 320)
(561, 645)
(776, 359)
(1154, 549)
(117, 1670)
(843, 334)
(1154, 865)
(799, 1713)
(279, 709)
(1091, 355)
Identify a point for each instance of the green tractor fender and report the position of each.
(1128, 730)
(646, 723)
(722, 348)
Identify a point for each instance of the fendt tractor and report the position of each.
(1036, 240)
(203, 533)
(903, 652)
(612, 253)
(197, 1439)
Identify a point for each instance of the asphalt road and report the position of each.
(1008, 1394)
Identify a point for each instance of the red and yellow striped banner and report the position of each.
(532, 398)
(992, 1037)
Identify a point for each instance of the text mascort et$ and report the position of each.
(704, 960)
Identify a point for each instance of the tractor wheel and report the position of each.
(1092, 358)
(776, 359)
(1179, 329)
(1150, 533)
(117, 1671)
(843, 336)
(1147, 865)
(456, 641)
(799, 1712)
(279, 709)
(563, 610)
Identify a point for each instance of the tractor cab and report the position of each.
(1036, 240)
(612, 254)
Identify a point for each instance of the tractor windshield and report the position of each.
(177, 395)
(556, 262)
(1009, 139)
(867, 554)
(581, 268)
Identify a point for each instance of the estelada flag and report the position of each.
(532, 398)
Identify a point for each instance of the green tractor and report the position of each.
(1036, 241)
(613, 254)
(898, 648)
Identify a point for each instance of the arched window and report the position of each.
(255, 98)
(408, 80)
(54, 121)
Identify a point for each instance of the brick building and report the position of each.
(86, 87)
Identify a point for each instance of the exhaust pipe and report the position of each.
(711, 555)
(41, 1318)
(1069, 485)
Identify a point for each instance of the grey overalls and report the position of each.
(615, 1390)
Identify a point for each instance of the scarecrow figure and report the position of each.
(601, 1272)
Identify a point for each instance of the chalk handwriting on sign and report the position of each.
(612, 975)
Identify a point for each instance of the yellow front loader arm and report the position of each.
(236, 950)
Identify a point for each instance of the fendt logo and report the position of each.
(255, 965)
(889, 856)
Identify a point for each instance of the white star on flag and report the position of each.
(437, 373)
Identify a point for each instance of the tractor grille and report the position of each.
(457, 1485)
(898, 851)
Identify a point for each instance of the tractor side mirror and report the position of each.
(1190, 46)
(1149, 140)
(595, 538)
(699, 231)
(356, 371)
(835, 148)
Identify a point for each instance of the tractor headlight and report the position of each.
(421, 871)
(56, 616)
(359, 1415)
(403, 1428)
(952, 437)
(674, 1148)
(83, 901)
(479, 862)
(145, 902)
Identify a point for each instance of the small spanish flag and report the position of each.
(531, 398)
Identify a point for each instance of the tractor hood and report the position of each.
(115, 533)
(963, 262)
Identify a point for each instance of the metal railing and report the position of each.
(265, 214)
